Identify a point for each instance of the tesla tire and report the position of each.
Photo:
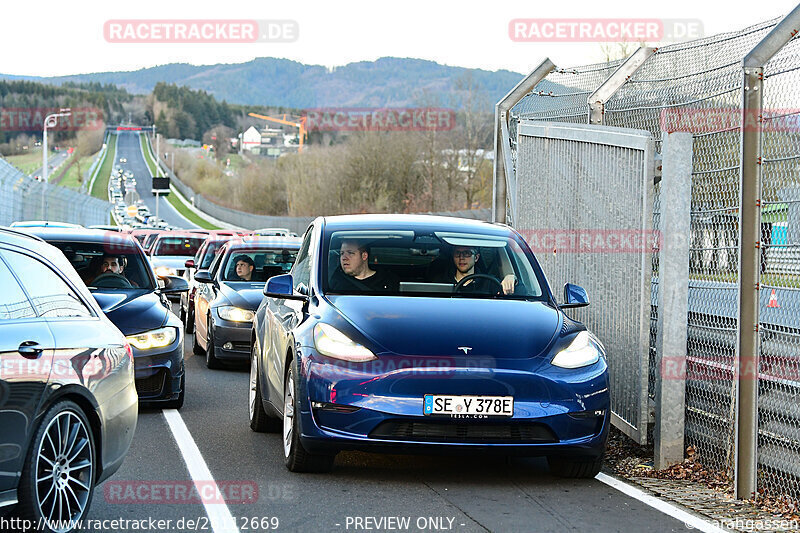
(296, 457)
(575, 467)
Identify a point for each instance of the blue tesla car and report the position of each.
(420, 334)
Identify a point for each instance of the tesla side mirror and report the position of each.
(174, 284)
(189, 263)
(574, 296)
(282, 287)
(203, 276)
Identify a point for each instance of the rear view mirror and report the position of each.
(203, 276)
(282, 287)
(189, 263)
(574, 296)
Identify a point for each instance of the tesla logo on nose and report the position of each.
(465, 349)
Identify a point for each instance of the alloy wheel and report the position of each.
(288, 414)
(64, 470)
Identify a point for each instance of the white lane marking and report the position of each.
(218, 513)
(690, 521)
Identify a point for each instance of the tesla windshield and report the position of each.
(257, 264)
(106, 266)
(429, 264)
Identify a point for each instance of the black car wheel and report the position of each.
(196, 348)
(296, 457)
(57, 479)
(260, 421)
(211, 360)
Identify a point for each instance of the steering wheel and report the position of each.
(112, 280)
(466, 279)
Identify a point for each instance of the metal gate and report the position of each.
(583, 199)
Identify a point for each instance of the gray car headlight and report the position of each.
(331, 342)
(581, 352)
(235, 314)
(155, 338)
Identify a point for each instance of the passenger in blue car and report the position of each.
(354, 272)
(465, 259)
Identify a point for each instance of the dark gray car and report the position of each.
(68, 404)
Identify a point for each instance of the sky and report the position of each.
(51, 38)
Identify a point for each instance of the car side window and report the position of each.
(50, 294)
(215, 263)
(301, 272)
(14, 305)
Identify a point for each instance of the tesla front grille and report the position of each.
(466, 433)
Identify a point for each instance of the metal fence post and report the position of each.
(502, 144)
(597, 100)
(673, 299)
(750, 177)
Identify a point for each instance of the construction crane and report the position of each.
(300, 125)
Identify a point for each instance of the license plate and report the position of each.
(477, 406)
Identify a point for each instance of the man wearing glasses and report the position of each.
(464, 259)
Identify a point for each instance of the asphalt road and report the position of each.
(53, 161)
(128, 147)
(462, 494)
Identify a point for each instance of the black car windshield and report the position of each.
(438, 263)
(257, 265)
(108, 266)
(209, 253)
(184, 246)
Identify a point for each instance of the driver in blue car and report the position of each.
(464, 260)
(354, 272)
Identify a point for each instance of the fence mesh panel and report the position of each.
(24, 198)
(698, 85)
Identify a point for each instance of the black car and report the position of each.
(133, 300)
(65, 369)
(225, 301)
(201, 261)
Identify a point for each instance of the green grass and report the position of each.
(100, 189)
(72, 179)
(27, 163)
(188, 213)
(237, 161)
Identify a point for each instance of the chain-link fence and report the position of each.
(24, 198)
(697, 87)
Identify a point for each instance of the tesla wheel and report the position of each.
(211, 360)
(260, 421)
(575, 467)
(296, 457)
(57, 479)
(178, 402)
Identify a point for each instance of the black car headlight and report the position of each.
(155, 338)
(235, 314)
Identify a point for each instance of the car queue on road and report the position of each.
(393, 333)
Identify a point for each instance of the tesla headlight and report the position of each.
(333, 343)
(155, 338)
(580, 352)
(165, 271)
(235, 314)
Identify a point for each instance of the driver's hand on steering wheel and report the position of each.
(508, 284)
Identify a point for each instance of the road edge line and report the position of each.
(689, 520)
(221, 519)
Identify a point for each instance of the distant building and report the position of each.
(251, 140)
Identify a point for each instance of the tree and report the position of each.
(220, 138)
